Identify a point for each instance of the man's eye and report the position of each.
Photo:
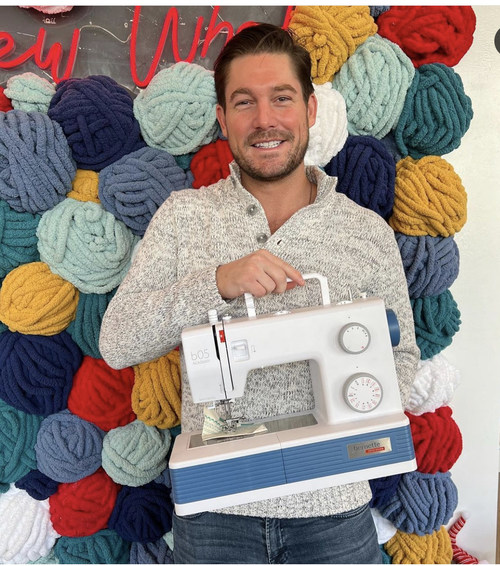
(283, 98)
(242, 103)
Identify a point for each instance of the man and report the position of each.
(272, 219)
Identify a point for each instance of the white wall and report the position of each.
(475, 350)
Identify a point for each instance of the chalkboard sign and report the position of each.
(129, 44)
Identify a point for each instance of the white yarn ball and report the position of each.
(385, 529)
(435, 383)
(329, 134)
(26, 533)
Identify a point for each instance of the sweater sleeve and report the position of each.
(390, 284)
(152, 305)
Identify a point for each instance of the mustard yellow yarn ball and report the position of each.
(85, 186)
(405, 548)
(156, 395)
(33, 300)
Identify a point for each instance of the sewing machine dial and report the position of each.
(354, 338)
(362, 392)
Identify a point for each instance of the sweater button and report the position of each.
(252, 210)
(262, 238)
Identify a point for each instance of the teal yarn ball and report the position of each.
(135, 454)
(176, 111)
(18, 241)
(374, 82)
(30, 93)
(104, 547)
(86, 245)
(437, 320)
(436, 114)
(86, 327)
(18, 433)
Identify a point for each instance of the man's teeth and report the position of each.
(268, 145)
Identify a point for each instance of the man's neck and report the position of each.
(281, 199)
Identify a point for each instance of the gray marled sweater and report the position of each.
(171, 285)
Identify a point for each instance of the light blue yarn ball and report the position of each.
(30, 93)
(86, 245)
(176, 111)
(374, 82)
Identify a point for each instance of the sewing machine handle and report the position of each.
(323, 284)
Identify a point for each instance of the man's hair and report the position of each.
(257, 39)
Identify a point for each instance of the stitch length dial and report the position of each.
(354, 338)
(362, 392)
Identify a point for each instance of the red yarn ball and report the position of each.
(102, 395)
(430, 34)
(437, 440)
(82, 508)
(5, 104)
(211, 163)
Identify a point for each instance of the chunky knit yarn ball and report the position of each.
(83, 508)
(430, 34)
(434, 385)
(18, 432)
(103, 547)
(18, 241)
(437, 440)
(33, 300)
(211, 163)
(36, 168)
(85, 186)
(134, 187)
(328, 134)
(410, 548)
(37, 485)
(157, 552)
(436, 113)
(50, 9)
(331, 35)
(374, 82)
(101, 394)
(86, 245)
(135, 454)
(176, 111)
(437, 320)
(68, 448)
(97, 117)
(30, 93)
(5, 102)
(86, 327)
(27, 533)
(422, 503)
(156, 395)
(431, 264)
(142, 514)
(376, 11)
(429, 198)
(36, 372)
(366, 174)
(383, 489)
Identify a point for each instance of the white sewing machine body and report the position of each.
(357, 431)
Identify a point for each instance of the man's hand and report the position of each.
(258, 273)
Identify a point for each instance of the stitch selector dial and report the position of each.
(354, 338)
(362, 392)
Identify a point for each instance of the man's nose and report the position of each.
(264, 115)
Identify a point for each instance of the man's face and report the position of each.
(266, 119)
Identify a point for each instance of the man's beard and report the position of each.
(294, 159)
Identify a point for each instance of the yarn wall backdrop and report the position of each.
(84, 448)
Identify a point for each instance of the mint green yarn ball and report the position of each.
(374, 82)
(30, 93)
(135, 454)
(176, 111)
(86, 245)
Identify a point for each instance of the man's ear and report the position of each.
(221, 117)
(312, 109)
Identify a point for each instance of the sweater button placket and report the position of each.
(252, 210)
(261, 238)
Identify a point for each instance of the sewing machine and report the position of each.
(357, 430)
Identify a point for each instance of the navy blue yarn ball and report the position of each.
(36, 372)
(97, 117)
(366, 173)
(37, 485)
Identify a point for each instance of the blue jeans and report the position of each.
(216, 538)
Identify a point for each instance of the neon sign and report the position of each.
(52, 59)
